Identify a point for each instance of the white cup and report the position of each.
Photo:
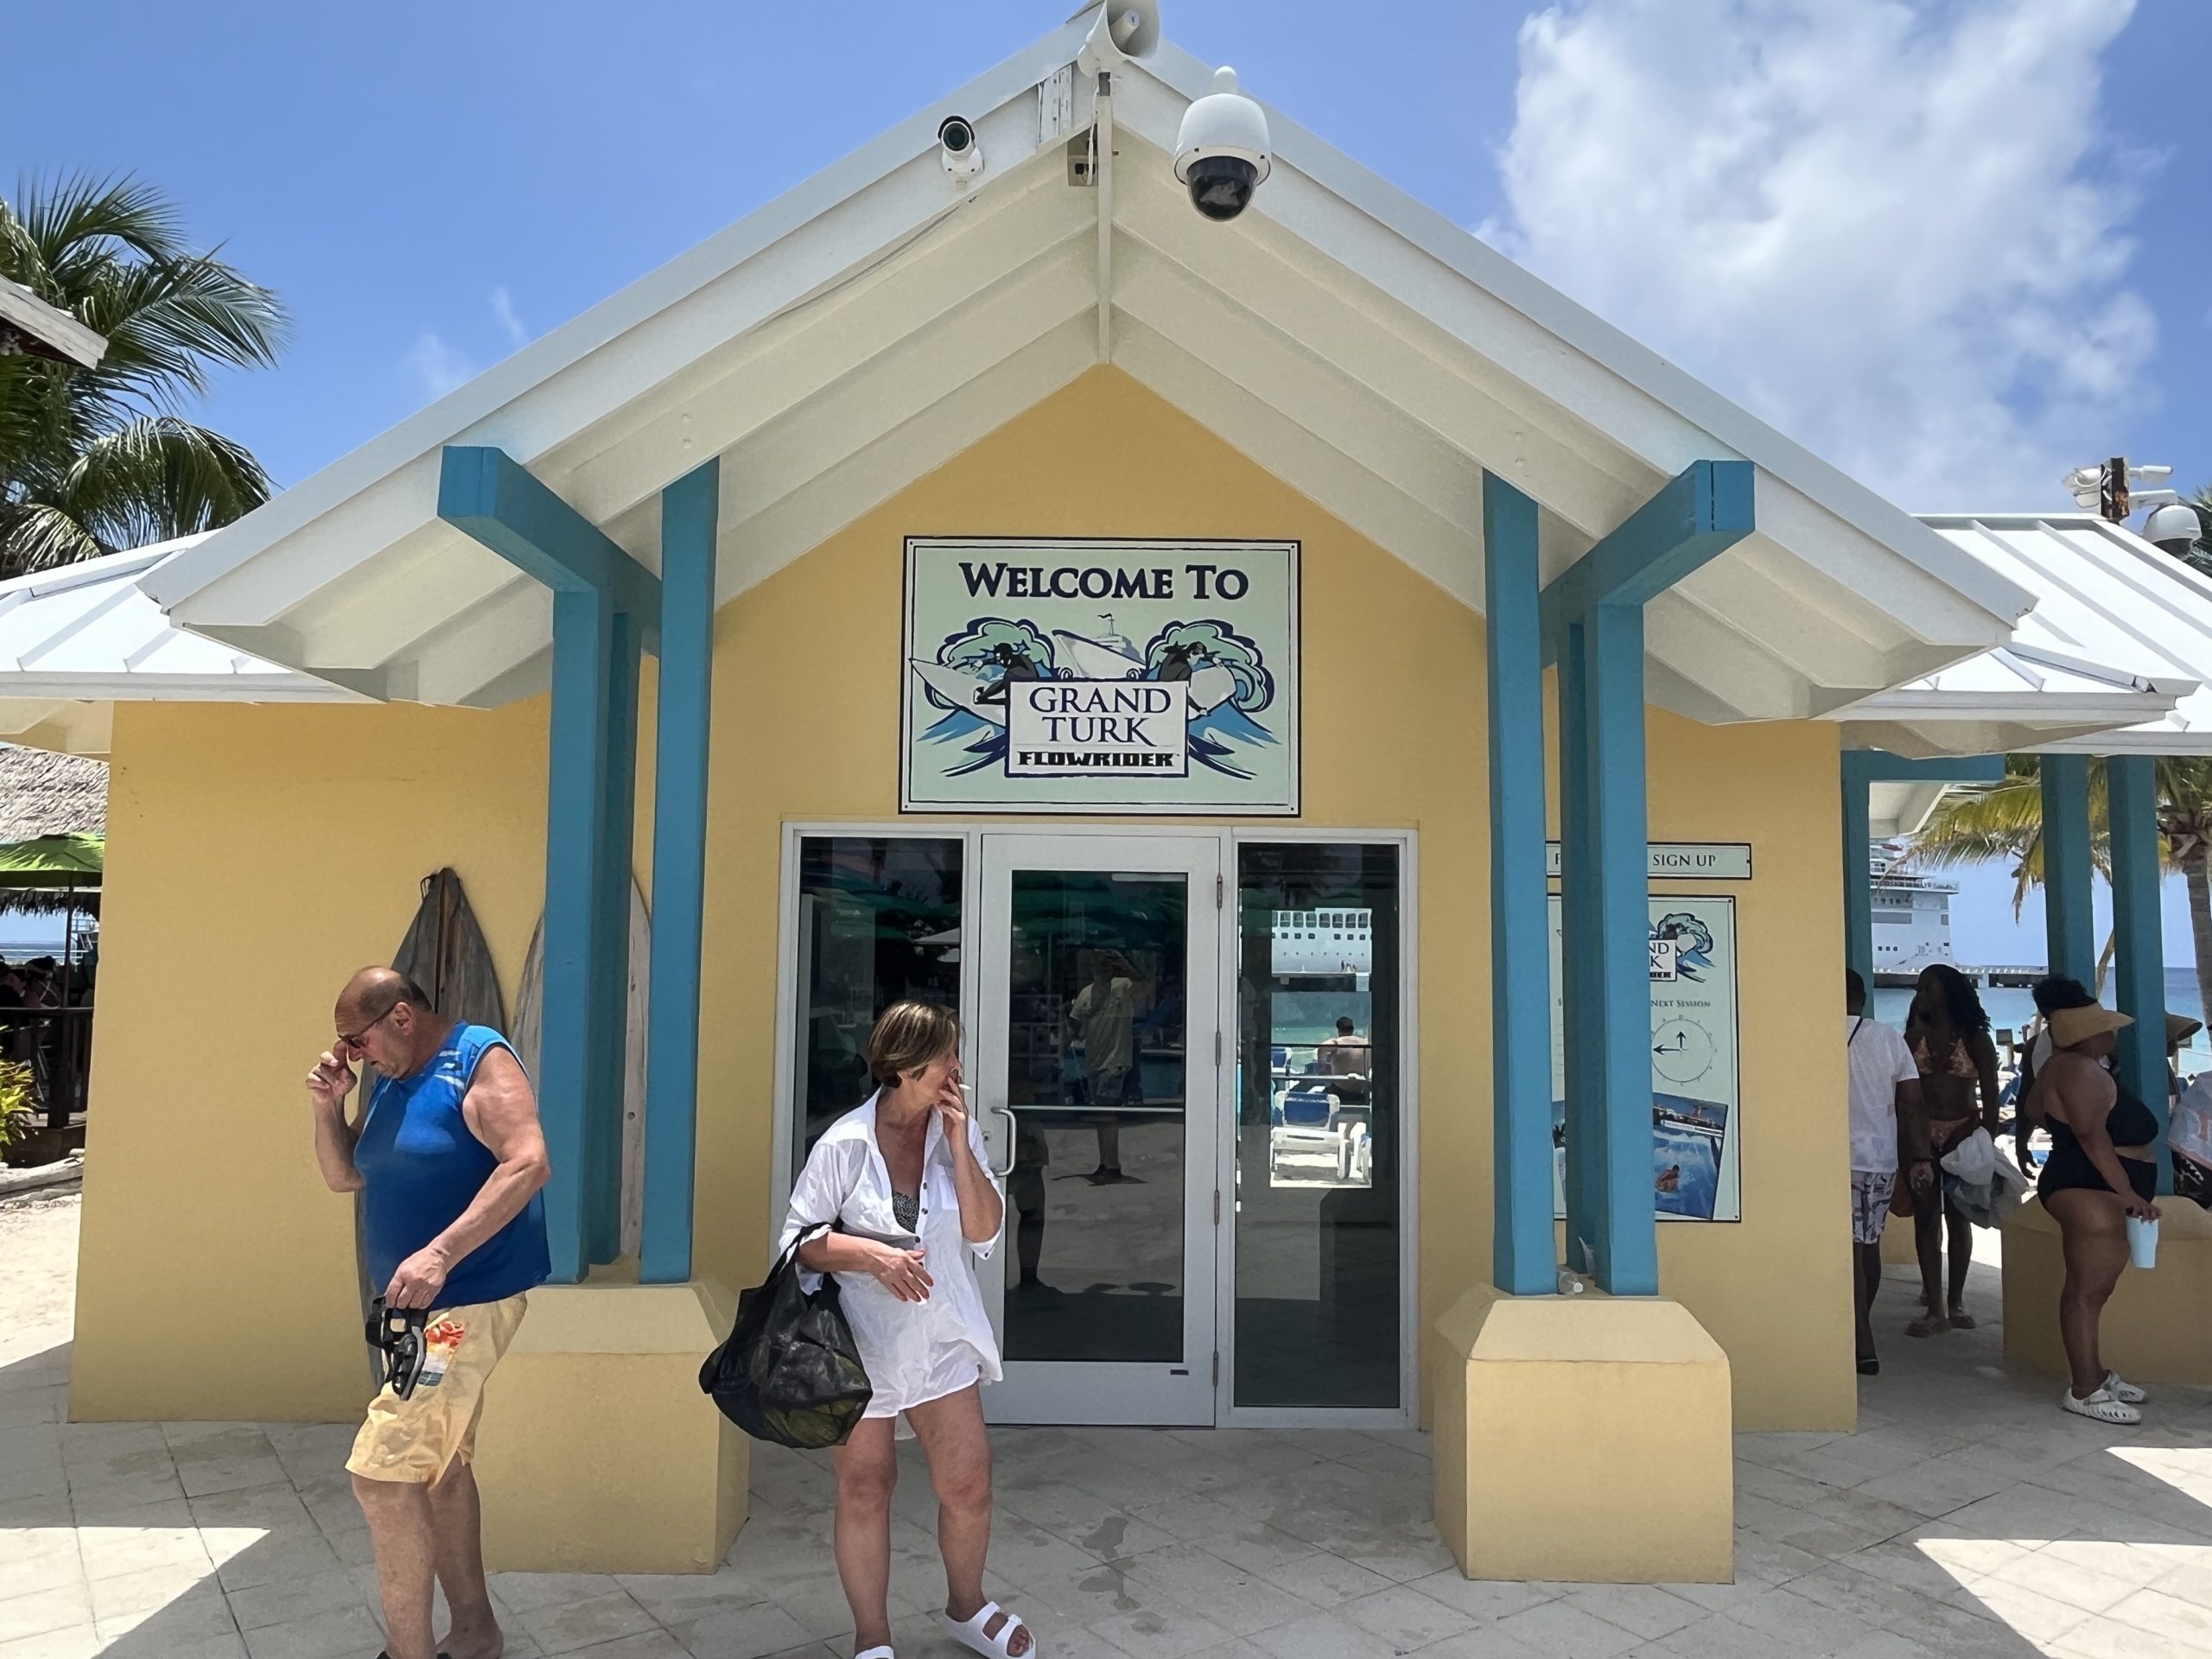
(2143, 1242)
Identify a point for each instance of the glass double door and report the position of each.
(1098, 1079)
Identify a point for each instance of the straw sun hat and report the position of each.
(2072, 1026)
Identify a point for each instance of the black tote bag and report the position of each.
(790, 1372)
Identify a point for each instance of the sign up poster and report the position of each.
(1695, 1068)
(1100, 677)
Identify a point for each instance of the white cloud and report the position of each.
(503, 307)
(1892, 229)
(438, 367)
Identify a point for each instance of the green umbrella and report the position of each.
(52, 862)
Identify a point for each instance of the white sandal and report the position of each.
(882, 1651)
(2101, 1406)
(969, 1632)
(2127, 1393)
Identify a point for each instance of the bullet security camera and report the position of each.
(1221, 152)
(958, 148)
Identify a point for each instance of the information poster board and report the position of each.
(1100, 677)
(1696, 1068)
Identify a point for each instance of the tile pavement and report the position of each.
(1966, 1518)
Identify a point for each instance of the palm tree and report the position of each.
(1985, 823)
(95, 459)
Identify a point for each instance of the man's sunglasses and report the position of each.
(352, 1040)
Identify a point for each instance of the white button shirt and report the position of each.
(913, 1352)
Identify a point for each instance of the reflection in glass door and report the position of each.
(1318, 1313)
(1098, 1079)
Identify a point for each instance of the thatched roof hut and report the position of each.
(43, 794)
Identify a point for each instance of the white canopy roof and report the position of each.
(870, 324)
(2115, 658)
(75, 641)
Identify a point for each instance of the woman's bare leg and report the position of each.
(867, 1474)
(1927, 1245)
(2094, 1230)
(1961, 1241)
(959, 1449)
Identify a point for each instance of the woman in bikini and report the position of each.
(2102, 1169)
(1948, 1034)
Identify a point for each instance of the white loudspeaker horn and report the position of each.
(1125, 29)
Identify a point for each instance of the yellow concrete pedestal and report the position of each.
(2155, 1328)
(597, 1453)
(1584, 1437)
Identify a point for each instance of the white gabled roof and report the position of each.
(2115, 659)
(80, 637)
(870, 324)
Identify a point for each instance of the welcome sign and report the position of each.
(1100, 677)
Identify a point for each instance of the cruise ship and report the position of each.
(1912, 915)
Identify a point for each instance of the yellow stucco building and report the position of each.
(1501, 577)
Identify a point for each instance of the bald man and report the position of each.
(448, 1159)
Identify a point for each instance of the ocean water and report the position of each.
(2013, 1008)
(1699, 1157)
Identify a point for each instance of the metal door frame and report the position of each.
(970, 834)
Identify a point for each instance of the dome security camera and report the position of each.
(959, 149)
(2174, 528)
(1221, 150)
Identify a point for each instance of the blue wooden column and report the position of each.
(2069, 920)
(583, 626)
(1522, 1260)
(690, 514)
(605, 609)
(2132, 802)
(609, 981)
(1592, 618)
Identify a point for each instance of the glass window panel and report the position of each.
(879, 921)
(1095, 1076)
(1317, 1211)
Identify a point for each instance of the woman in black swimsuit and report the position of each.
(2102, 1169)
(1948, 1033)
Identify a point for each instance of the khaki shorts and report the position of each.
(414, 1438)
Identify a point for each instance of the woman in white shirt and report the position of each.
(905, 1179)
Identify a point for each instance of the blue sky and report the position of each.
(1954, 245)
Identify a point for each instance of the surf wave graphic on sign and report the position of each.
(1002, 679)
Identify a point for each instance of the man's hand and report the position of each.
(330, 1081)
(1922, 1177)
(419, 1280)
(2141, 1209)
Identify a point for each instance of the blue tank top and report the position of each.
(421, 1167)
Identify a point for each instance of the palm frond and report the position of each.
(97, 459)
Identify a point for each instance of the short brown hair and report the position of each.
(908, 1036)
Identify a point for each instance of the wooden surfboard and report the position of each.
(528, 1036)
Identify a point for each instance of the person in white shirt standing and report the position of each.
(907, 1180)
(1884, 1113)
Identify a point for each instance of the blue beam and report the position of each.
(584, 626)
(690, 513)
(1615, 932)
(1880, 766)
(1698, 515)
(2132, 799)
(1858, 881)
(610, 974)
(2069, 921)
(1581, 985)
(496, 500)
(1522, 1262)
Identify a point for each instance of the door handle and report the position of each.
(1012, 1129)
